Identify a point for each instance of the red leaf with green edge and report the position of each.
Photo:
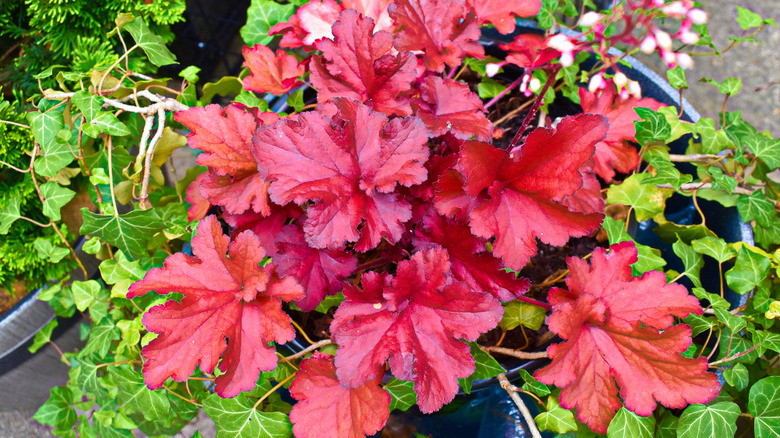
(265, 228)
(501, 13)
(326, 408)
(450, 106)
(225, 137)
(442, 29)
(358, 64)
(529, 51)
(619, 329)
(199, 205)
(227, 296)
(528, 188)
(269, 73)
(310, 25)
(612, 153)
(348, 167)
(416, 319)
(471, 263)
(320, 272)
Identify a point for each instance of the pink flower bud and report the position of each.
(620, 79)
(663, 39)
(596, 83)
(697, 16)
(534, 84)
(590, 18)
(669, 58)
(567, 59)
(684, 60)
(648, 45)
(560, 42)
(492, 68)
(689, 37)
(635, 89)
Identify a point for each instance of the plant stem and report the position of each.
(35, 222)
(516, 353)
(307, 350)
(144, 198)
(520, 405)
(736, 356)
(537, 103)
(691, 158)
(303, 333)
(14, 167)
(537, 303)
(272, 390)
(503, 93)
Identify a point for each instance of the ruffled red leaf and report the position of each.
(267, 227)
(327, 409)
(310, 24)
(417, 320)
(471, 264)
(501, 13)
(375, 9)
(359, 64)
(199, 205)
(587, 199)
(320, 272)
(528, 188)
(349, 167)
(529, 51)
(225, 137)
(613, 153)
(449, 106)
(442, 29)
(269, 73)
(227, 296)
(620, 329)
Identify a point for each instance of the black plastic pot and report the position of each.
(27, 378)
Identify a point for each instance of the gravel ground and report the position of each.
(757, 65)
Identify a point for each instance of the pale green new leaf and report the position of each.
(43, 336)
(120, 269)
(85, 293)
(129, 232)
(718, 420)
(402, 395)
(153, 45)
(54, 198)
(237, 418)
(100, 338)
(49, 251)
(556, 419)
(521, 313)
(106, 123)
(764, 406)
(627, 424)
(10, 213)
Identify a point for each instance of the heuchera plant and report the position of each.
(396, 206)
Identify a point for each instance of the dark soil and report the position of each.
(8, 299)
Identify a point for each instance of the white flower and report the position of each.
(697, 16)
(590, 18)
(648, 45)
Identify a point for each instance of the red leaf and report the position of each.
(442, 29)
(501, 13)
(620, 329)
(226, 138)
(320, 272)
(359, 64)
(310, 24)
(449, 106)
(349, 167)
(613, 154)
(227, 295)
(199, 205)
(265, 227)
(325, 408)
(528, 188)
(587, 199)
(417, 319)
(376, 9)
(471, 264)
(269, 73)
(529, 51)
(451, 199)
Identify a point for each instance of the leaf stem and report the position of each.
(272, 390)
(736, 356)
(520, 405)
(21, 125)
(538, 303)
(194, 402)
(14, 167)
(35, 222)
(307, 350)
(109, 152)
(537, 103)
(303, 333)
(503, 93)
(516, 353)
(144, 198)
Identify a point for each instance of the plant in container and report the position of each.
(411, 222)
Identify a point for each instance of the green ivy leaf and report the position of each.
(647, 200)
(485, 367)
(521, 313)
(121, 269)
(106, 123)
(100, 338)
(89, 104)
(748, 19)
(85, 375)
(653, 126)
(734, 323)
(556, 419)
(648, 259)
(190, 74)
(237, 418)
(47, 123)
(765, 149)
(756, 207)
(692, 261)
(627, 424)
(713, 140)
(48, 251)
(261, 16)
(10, 213)
(737, 376)
(698, 323)
(764, 406)
(739, 344)
(533, 385)
(85, 293)
(715, 300)
(251, 100)
(730, 86)
(699, 421)
(54, 198)
(402, 395)
(329, 301)
(43, 336)
(489, 88)
(667, 425)
(57, 411)
(295, 100)
(224, 86)
(713, 247)
(749, 270)
(136, 397)
(152, 45)
(128, 232)
(768, 341)
(676, 77)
